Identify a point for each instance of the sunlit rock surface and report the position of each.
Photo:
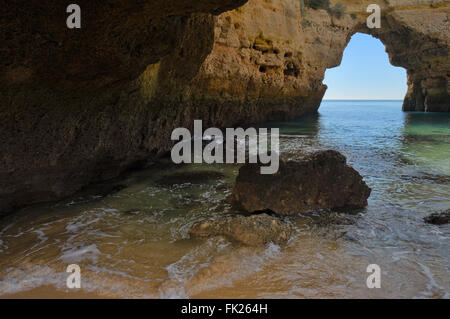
(269, 57)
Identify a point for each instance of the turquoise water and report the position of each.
(134, 243)
(393, 150)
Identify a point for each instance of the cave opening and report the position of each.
(365, 73)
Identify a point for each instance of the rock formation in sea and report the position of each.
(83, 105)
(269, 57)
(438, 218)
(303, 183)
(253, 230)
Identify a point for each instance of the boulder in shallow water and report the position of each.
(303, 183)
(254, 230)
(438, 218)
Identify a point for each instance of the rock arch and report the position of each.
(417, 41)
(272, 66)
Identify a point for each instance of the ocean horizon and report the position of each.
(343, 100)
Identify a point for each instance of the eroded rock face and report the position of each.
(417, 38)
(116, 42)
(269, 57)
(304, 183)
(75, 105)
(254, 230)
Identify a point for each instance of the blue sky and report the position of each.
(365, 73)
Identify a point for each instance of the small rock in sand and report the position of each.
(254, 230)
(438, 218)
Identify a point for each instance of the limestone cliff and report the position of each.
(71, 110)
(79, 106)
(270, 56)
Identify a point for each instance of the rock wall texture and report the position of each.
(270, 56)
(304, 183)
(79, 106)
(73, 109)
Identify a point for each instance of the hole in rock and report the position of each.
(365, 73)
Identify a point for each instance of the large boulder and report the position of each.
(254, 230)
(303, 183)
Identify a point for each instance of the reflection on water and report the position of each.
(134, 242)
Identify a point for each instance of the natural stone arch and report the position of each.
(424, 56)
(269, 57)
